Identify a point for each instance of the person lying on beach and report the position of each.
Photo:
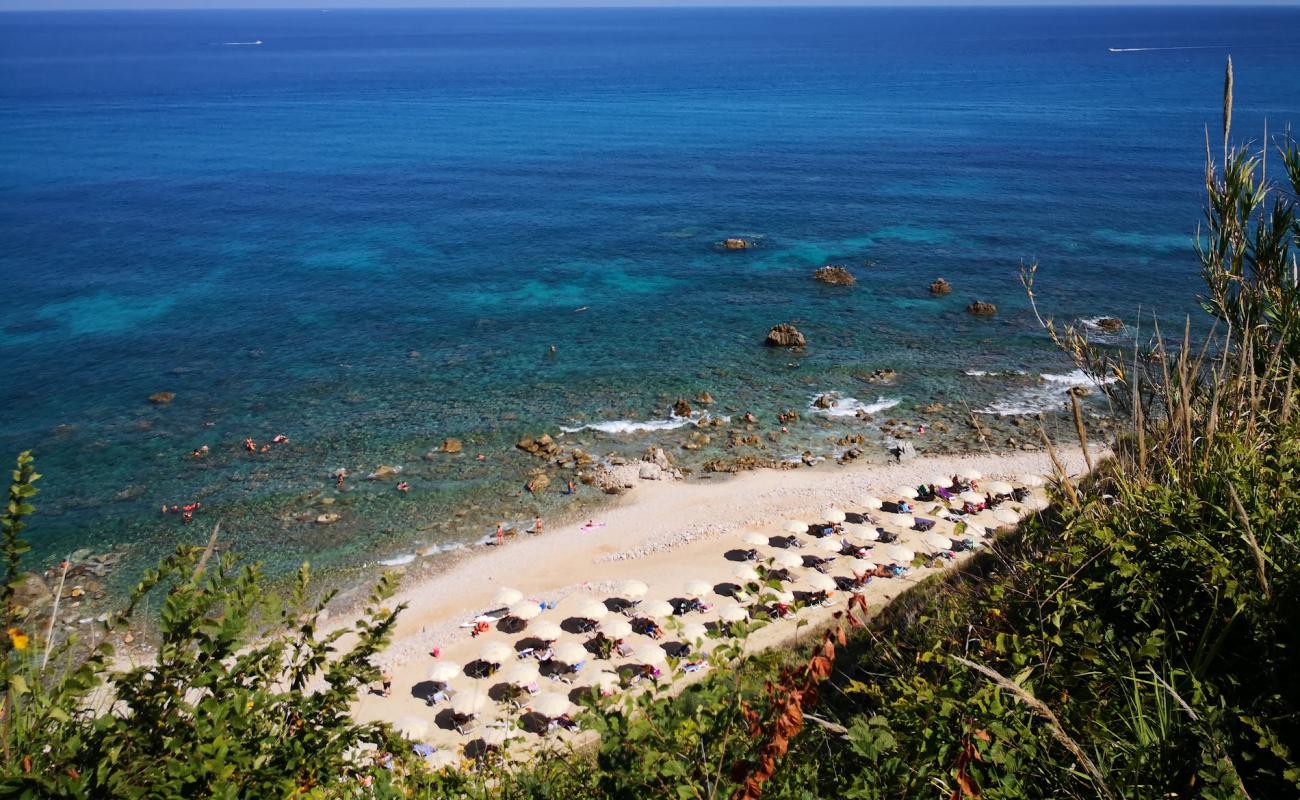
(942, 493)
(885, 537)
(694, 666)
(751, 555)
(920, 524)
(566, 722)
(924, 493)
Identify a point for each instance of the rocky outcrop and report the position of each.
(452, 445)
(327, 519)
(785, 335)
(1110, 324)
(736, 243)
(903, 452)
(537, 482)
(705, 399)
(384, 471)
(982, 309)
(940, 287)
(681, 408)
(824, 401)
(162, 398)
(932, 408)
(834, 275)
(879, 376)
(543, 446)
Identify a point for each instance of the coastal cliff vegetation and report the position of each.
(1137, 641)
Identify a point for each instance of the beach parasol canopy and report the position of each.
(413, 728)
(755, 540)
(694, 632)
(795, 526)
(872, 502)
(656, 608)
(1031, 480)
(550, 704)
(698, 589)
(608, 681)
(521, 673)
(496, 652)
(745, 573)
(651, 654)
(444, 671)
(467, 704)
(896, 553)
(971, 497)
(834, 515)
(971, 474)
(570, 653)
(630, 590)
(497, 737)
(1006, 516)
(941, 481)
(937, 541)
(787, 560)
(869, 535)
(732, 613)
(830, 545)
(591, 609)
(783, 597)
(822, 583)
(999, 487)
(616, 628)
(506, 596)
(906, 491)
(905, 521)
(545, 630)
(442, 759)
(525, 610)
(860, 566)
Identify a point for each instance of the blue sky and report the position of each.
(14, 5)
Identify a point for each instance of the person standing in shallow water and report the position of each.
(501, 533)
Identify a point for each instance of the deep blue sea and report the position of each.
(365, 230)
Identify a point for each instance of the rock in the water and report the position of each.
(748, 418)
(384, 471)
(824, 401)
(452, 445)
(162, 398)
(327, 519)
(543, 446)
(834, 275)
(940, 286)
(785, 335)
(880, 376)
(932, 408)
(538, 482)
(1111, 324)
(736, 244)
(705, 399)
(982, 309)
(681, 408)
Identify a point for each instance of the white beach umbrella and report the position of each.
(941, 481)
(830, 545)
(999, 487)
(608, 682)
(506, 596)
(732, 612)
(872, 502)
(937, 541)
(656, 608)
(496, 652)
(821, 583)
(525, 610)
(413, 728)
(521, 673)
(545, 630)
(591, 609)
(869, 535)
(497, 737)
(467, 704)
(550, 704)
(444, 671)
(755, 540)
(908, 492)
(796, 526)
(698, 589)
(896, 553)
(787, 560)
(834, 515)
(783, 597)
(616, 628)
(971, 474)
(570, 653)
(442, 759)
(649, 654)
(860, 566)
(972, 497)
(1031, 480)
(1006, 516)
(631, 590)
(694, 632)
(905, 521)
(745, 573)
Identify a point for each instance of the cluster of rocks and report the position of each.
(542, 446)
(1109, 324)
(940, 287)
(616, 476)
(736, 243)
(785, 335)
(878, 376)
(982, 309)
(744, 463)
(162, 398)
(834, 275)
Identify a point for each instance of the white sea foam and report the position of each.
(850, 406)
(397, 561)
(627, 426)
(1049, 395)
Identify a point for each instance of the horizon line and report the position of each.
(507, 5)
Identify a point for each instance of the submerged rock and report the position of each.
(705, 399)
(327, 519)
(538, 482)
(543, 446)
(1110, 324)
(932, 408)
(940, 287)
(384, 471)
(834, 275)
(162, 398)
(452, 445)
(736, 243)
(681, 408)
(824, 401)
(982, 309)
(879, 376)
(785, 335)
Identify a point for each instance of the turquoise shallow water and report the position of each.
(366, 232)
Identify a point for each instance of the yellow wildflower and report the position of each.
(19, 638)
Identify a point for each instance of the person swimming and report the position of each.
(403, 487)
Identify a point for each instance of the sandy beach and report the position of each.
(663, 534)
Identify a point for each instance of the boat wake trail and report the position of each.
(240, 44)
(1185, 47)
